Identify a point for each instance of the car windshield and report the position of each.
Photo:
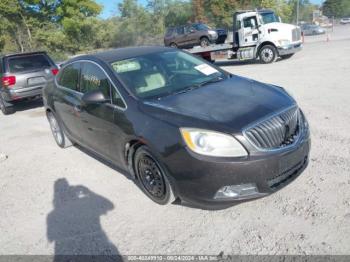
(161, 74)
(267, 18)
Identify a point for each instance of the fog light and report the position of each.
(237, 191)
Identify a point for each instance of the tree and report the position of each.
(220, 12)
(198, 11)
(336, 8)
(178, 13)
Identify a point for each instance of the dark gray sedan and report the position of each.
(183, 128)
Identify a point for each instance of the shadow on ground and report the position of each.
(27, 105)
(74, 225)
(236, 62)
(105, 162)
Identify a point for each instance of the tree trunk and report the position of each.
(19, 40)
(27, 29)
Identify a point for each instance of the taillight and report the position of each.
(54, 71)
(8, 81)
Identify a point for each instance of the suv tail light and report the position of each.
(54, 71)
(8, 81)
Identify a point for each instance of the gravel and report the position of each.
(56, 201)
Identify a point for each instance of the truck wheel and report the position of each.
(286, 56)
(204, 42)
(6, 108)
(268, 54)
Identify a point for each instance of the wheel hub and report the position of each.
(267, 54)
(151, 177)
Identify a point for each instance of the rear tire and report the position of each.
(6, 107)
(152, 177)
(57, 131)
(267, 54)
(204, 42)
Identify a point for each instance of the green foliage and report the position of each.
(220, 12)
(336, 8)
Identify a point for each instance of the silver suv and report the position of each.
(22, 76)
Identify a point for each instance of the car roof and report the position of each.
(23, 54)
(123, 53)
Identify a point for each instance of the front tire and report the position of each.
(268, 54)
(152, 177)
(204, 42)
(57, 131)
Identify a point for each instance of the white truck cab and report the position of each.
(261, 34)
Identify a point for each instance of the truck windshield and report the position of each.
(267, 18)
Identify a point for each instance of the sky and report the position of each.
(110, 7)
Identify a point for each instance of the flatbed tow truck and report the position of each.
(257, 34)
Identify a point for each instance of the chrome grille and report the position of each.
(296, 34)
(276, 132)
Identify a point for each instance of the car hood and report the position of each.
(234, 103)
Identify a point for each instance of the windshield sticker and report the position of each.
(206, 69)
(126, 66)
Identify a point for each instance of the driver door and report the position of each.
(249, 32)
(98, 123)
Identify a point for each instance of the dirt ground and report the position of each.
(42, 210)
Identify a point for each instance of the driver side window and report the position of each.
(250, 22)
(93, 78)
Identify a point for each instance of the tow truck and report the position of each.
(257, 34)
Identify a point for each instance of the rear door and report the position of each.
(32, 71)
(67, 99)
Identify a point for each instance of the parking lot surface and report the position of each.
(55, 201)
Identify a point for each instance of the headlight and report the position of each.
(284, 42)
(213, 34)
(212, 143)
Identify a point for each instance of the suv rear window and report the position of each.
(27, 63)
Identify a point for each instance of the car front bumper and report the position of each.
(200, 178)
(290, 49)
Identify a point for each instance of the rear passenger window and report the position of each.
(69, 78)
(93, 78)
(28, 63)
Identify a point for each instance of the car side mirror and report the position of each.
(192, 31)
(94, 97)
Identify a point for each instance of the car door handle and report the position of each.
(77, 109)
